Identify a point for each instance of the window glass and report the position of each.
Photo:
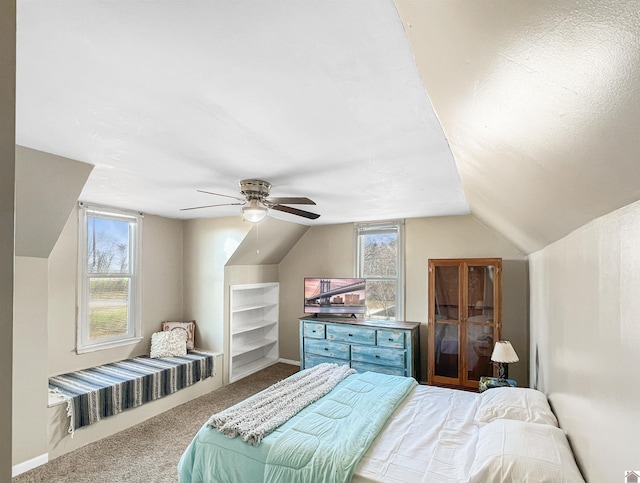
(379, 260)
(107, 245)
(109, 272)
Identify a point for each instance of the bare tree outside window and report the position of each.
(379, 249)
(110, 290)
(108, 257)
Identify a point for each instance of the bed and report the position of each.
(395, 431)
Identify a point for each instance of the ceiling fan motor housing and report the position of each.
(255, 188)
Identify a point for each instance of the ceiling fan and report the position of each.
(256, 201)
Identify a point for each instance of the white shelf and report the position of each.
(258, 325)
(259, 344)
(253, 325)
(244, 308)
(252, 367)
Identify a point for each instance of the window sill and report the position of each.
(108, 345)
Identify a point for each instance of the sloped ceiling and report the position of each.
(267, 243)
(320, 98)
(374, 109)
(47, 189)
(540, 102)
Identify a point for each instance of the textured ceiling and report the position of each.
(538, 101)
(320, 98)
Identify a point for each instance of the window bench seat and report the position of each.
(103, 391)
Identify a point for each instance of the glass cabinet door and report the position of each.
(479, 348)
(480, 284)
(447, 293)
(464, 319)
(479, 326)
(446, 315)
(447, 347)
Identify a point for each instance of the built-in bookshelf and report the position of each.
(253, 328)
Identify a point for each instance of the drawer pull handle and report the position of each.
(350, 335)
(326, 348)
(377, 356)
(390, 339)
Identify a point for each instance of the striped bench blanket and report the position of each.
(102, 391)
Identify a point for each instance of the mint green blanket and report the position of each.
(322, 443)
(328, 442)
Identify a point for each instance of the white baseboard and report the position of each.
(29, 464)
(289, 361)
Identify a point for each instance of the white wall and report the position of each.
(585, 339)
(7, 190)
(161, 293)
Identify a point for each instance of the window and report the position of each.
(109, 292)
(380, 260)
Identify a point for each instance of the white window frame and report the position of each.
(383, 227)
(134, 325)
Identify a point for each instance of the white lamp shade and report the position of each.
(254, 211)
(503, 352)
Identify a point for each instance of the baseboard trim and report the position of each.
(289, 361)
(29, 464)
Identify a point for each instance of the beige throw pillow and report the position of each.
(169, 344)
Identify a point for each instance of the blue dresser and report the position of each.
(390, 347)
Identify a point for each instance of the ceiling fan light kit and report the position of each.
(256, 202)
(254, 211)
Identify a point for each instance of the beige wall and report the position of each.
(585, 339)
(208, 245)
(323, 251)
(161, 293)
(330, 251)
(466, 237)
(30, 377)
(7, 183)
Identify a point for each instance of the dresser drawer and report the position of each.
(313, 330)
(349, 333)
(365, 366)
(391, 338)
(311, 360)
(327, 348)
(386, 356)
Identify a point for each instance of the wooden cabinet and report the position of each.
(383, 346)
(464, 319)
(253, 327)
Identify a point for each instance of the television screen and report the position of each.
(334, 296)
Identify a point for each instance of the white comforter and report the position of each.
(417, 444)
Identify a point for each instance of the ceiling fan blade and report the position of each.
(290, 201)
(210, 206)
(220, 194)
(296, 211)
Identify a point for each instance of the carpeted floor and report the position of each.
(149, 452)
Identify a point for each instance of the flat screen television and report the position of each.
(338, 296)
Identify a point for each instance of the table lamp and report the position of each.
(502, 354)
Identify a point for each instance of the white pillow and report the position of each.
(509, 450)
(189, 326)
(169, 344)
(520, 403)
